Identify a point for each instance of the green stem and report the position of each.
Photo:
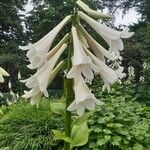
(68, 83)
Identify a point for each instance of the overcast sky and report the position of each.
(130, 18)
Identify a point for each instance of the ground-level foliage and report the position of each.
(117, 125)
(26, 127)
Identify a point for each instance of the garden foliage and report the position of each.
(118, 125)
(26, 127)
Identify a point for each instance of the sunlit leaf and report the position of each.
(58, 108)
(80, 135)
(58, 135)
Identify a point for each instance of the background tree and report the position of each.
(11, 34)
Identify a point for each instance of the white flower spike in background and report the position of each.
(3, 73)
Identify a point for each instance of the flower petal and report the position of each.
(84, 99)
(44, 73)
(40, 48)
(111, 36)
(79, 56)
(92, 12)
(99, 51)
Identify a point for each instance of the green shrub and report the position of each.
(119, 125)
(26, 127)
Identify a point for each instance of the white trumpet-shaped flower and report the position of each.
(43, 75)
(108, 75)
(82, 39)
(111, 36)
(2, 73)
(99, 51)
(51, 53)
(79, 56)
(92, 12)
(84, 99)
(81, 62)
(37, 51)
(85, 70)
(35, 93)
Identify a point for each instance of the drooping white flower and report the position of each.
(35, 93)
(43, 75)
(51, 53)
(84, 99)
(92, 12)
(79, 56)
(19, 75)
(146, 65)
(38, 50)
(131, 71)
(9, 84)
(78, 71)
(99, 51)
(142, 79)
(82, 39)
(111, 36)
(108, 75)
(12, 94)
(2, 73)
(81, 62)
(1, 94)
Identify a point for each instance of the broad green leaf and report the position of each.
(107, 137)
(138, 146)
(124, 132)
(58, 135)
(116, 140)
(79, 135)
(97, 129)
(58, 108)
(107, 131)
(92, 145)
(101, 142)
(83, 118)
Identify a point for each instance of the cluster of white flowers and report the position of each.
(89, 58)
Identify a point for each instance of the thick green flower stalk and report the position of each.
(86, 57)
